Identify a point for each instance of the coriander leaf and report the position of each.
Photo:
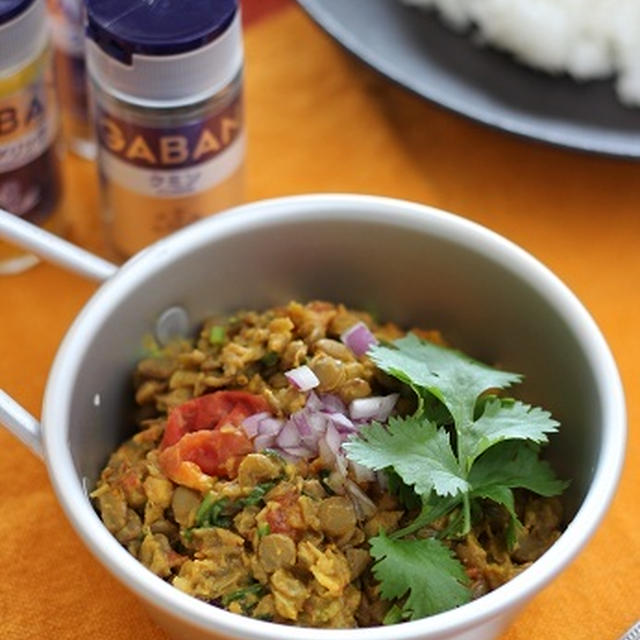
(210, 512)
(202, 514)
(498, 493)
(407, 497)
(504, 496)
(458, 525)
(514, 464)
(257, 495)
(424, 570)
(453, 377)
(255, 589)
(395, 615)
(433, 507)
(419, 452)
(507, 420)
(432, 408)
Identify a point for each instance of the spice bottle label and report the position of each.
(171, 162)
(29, 180)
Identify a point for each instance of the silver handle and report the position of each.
(54, 249)
(633, 633)
(21, 423)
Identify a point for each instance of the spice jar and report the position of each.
(30, 184)
(166, 86)
(66, 18)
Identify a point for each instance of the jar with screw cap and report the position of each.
(166, 83)
(30, 184)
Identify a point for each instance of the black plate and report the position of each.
(414, 49)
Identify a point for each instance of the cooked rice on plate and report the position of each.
(588, 39)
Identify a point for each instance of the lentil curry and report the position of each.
(236, 488)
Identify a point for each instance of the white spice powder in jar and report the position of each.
(166, 86)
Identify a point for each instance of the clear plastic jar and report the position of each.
(168, 116)
(30, 181)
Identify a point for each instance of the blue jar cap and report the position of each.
(9, 9)
(122, 28)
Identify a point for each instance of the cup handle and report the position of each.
(21, 423)
(54, 249)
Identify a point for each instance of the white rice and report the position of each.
(585, 38)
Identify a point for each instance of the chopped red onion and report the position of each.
(289, 435)
(318, 430)
(325, 454)
(317, 422)
(270, 426)
(301, 421)
(342, 464)
(252, 423)
(286, 455)
(363, 505)
(302, 378)
(298, 452)
(335, 481)
(262, 442)
(334, 441)
(331, 403)
(342, 423)
(358, 338)
(314, 403)
(311, 426)
(360, 473)
(373, 408)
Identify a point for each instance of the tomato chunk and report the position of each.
(214, 453)
(210, 412)
(284, 516)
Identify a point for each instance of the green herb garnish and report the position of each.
(257, 495)
(394, 615)
(217, 334)
(218, 513)
(404, 492)
(210, 512)
(424, 569)
(263, 530)
(269, 359)
(247, 596)
(256, 589)
(461, 446)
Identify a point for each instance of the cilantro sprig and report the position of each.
(423, 570)
(463, 445)
(219, 513)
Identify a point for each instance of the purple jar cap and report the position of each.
(122, 28)
(9, 9)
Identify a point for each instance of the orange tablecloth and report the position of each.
(318, 121)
